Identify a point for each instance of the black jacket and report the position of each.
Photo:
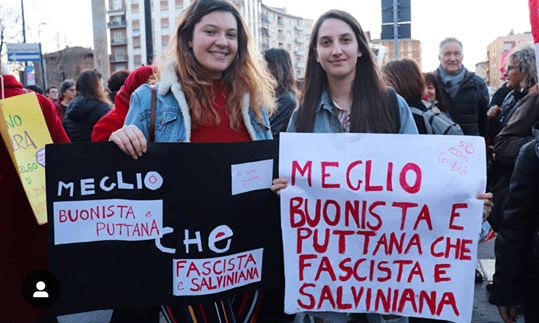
(286, 104)
(470, 105)
(81, 116)
(517, 241)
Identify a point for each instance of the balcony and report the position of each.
(298, 27)
(116, 12)
(118, 58)
(300, 40)
(117, 42)
(300, 65)
(117, 24)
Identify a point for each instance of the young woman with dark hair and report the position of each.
(344, 92)
(213, 89)
(90, 104)
(406, 78)
(433, 91)
(280, 65)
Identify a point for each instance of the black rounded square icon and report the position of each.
(40, 289)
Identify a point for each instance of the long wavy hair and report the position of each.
(280, 66)
(246, 74)
(371, 104)
(89, 86)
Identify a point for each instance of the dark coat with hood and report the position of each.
(470, 105)
(81, 116)
(517, 241)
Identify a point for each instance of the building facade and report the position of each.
(291, 33)
(128, 30)
(127, 27)
(65, 64)
(496, 49)
(408, 48)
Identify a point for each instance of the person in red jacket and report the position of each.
(23, 243)
(115, 118)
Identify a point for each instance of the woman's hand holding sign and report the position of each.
(279, 184)
(130, 140)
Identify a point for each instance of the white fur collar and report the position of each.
(168, 81)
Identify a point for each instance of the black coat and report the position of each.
(286, 104)
(81, 116)
(470, 105)
(517, 241)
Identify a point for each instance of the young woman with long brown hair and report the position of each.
(210, 88)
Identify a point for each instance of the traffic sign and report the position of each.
(23, 52)
(24, 57)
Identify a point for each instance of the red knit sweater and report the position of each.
(220, 132)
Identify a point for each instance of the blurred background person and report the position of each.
(115, 82)
(35, 88)
(68, 92)
(516, 278)
(520, 112)
(52, 93)
(406, 78)
(280, 65)
(115, 118)
(90, 104)
(501, 93)
(434, 93)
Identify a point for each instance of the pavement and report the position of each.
(483, 311)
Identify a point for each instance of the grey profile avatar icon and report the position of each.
(41, 293)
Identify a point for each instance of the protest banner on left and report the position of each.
(169, 228)
(381, 223)
(25, 134)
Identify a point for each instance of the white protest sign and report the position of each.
(113, 219)
(253, 176)
(209, 276)
(381, 223)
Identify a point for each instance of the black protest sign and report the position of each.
(183, 224)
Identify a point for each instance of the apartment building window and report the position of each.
(164, 22)
(164, 40)
(164, 5)
(116, 4)
(136, 42)
(288, 21)
(179, 4)
(118, 37)
(135, 8)
(288, 34)
(137, 59)
(280, 20)
(289, 47)
(136, 24)
(119, 54)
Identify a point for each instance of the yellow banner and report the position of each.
(25, 134)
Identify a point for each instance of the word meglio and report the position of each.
(362, 176)
(152, 181)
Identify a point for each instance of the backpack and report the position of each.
(438, 123)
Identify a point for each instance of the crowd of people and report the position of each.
(219, 90)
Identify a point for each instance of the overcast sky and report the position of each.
(476, 22)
